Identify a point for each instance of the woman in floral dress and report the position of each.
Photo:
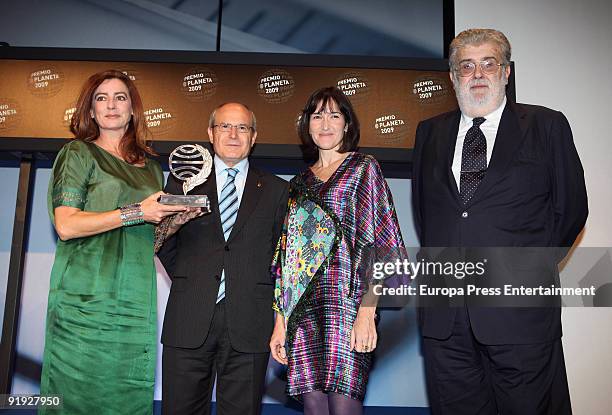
(340, 211)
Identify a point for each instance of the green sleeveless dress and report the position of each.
(101, 334)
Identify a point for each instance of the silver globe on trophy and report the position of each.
(191, 164)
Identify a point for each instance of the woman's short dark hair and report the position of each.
(325, 96)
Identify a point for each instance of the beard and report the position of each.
(479, 104)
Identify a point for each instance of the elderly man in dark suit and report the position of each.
(219, 315)
(495, 174)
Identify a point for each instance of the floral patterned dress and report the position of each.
(320, 271)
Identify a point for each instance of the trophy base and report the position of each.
(200, 201)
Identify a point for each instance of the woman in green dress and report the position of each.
(101, 341)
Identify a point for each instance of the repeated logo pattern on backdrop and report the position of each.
(37, 98)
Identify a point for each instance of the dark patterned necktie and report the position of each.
(473, 160)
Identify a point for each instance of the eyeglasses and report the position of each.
(226, 128)
(488, 66)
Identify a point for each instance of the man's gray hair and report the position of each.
(477, 37)
(211, 120)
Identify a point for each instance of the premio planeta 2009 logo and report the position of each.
(429, 89)
(276, 86)
(45, 82)
(160, 119)
(68, 113)
(354, 85)
(199, 84)
(390, 128)
(10, 115)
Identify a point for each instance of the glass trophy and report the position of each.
(191, 164)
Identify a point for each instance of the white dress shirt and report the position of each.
(221, 176)
(489, 129)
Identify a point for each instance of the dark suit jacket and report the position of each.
(533, 195)
(196, 255)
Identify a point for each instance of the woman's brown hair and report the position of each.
(133, 145)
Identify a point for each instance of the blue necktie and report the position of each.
(228, 208)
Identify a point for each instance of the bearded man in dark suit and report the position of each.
(495, 174)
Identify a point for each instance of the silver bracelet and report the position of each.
(131, 214)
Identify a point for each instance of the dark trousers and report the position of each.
(465, 377)
(188, 375)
